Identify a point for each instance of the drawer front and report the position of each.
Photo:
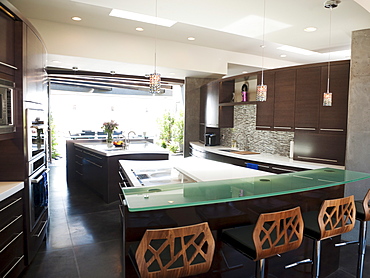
(37, 235)
(14, 248)
(8, 229)
(11, 207)
(14, 269)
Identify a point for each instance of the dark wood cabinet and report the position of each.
(211, 104)
(12, 236)
(333, 119)
(307, 99)
(7, 44)
(265, 109)
(284, 99)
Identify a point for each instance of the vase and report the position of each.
(109, 140)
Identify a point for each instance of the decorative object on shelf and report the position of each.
(108, 128)
(262, 89)
(245, 92)
(328, 96)
(155, 78)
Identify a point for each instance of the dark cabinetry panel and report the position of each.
(284, 99)
(7, 44)
(307, 98)
(333, 119)
(265, 109)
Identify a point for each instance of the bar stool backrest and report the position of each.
(366, 205)
(278, 232)
(175, 252)
(337, 216)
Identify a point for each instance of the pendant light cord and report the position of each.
(263, 38)
(155, 36)
(328, 83)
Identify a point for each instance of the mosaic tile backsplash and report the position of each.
(248, 138)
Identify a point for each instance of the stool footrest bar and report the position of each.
(305, 261)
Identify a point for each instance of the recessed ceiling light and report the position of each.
(244, 71)
(191, 39)
(283, 55)
(76, 18)
(139, 29)
(310, 29)
(296, 50)
(142, 18)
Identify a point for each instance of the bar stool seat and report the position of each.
(335, 217)
(274, 233)
(362, 215)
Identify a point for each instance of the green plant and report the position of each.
(54, 143)
(171, 131)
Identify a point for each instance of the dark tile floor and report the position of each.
(85, 239)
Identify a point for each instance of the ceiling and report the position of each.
(235, 25)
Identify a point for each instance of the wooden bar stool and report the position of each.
(335, 217)
(174, 252)
(274, 233)
(362, 215)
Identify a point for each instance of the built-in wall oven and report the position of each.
(6, 106)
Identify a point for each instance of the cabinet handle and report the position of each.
(332, 129)
(281, 169)
(78, 163)
(10, 270)
(79, 173)
(7, 65)
(283, 127)
(88, 153)
(11, 223)
(263, 126)
(93, 163)
(263, 166)
(79, 156)
(40, 177)
(42, 229)
(12, 203)
(305, 128)
(315, 158)
(78, 150)
(14, 239)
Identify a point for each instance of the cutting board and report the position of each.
(244, 152)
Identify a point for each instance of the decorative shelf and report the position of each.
(237, 103)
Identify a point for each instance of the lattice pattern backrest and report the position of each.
(278, 232)
(175, 252)
(366, 204)
(337, 216)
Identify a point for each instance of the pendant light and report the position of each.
(155, 78)
(262, 89)
(328, 96)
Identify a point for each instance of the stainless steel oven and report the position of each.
(38, 194)
(36, 120)
(6, 106)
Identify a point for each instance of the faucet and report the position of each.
(128, 136)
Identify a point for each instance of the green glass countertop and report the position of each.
(191, 194)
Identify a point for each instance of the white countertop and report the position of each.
(264, 157)
(8, 188)
(197, 169)
(134, 147)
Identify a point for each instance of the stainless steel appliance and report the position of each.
(6, 105)
(36, 133)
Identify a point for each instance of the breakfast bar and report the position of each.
(232, 202)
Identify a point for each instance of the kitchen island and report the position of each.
(232, 202)
(93, 164)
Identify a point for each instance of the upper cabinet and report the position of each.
(307, 99)
(265, 109)
(284, 99)
(7, 44)
(333, 119)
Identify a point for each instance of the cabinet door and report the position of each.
(265, 109)
(7, 31)
(307, 99)
(333, 119)
(284, 100)
(212, 98)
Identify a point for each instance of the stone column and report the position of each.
(358, 130)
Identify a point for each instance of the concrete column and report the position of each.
(358, 130)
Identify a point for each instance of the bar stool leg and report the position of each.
(260, 268)
(316, 259)
(361, 249)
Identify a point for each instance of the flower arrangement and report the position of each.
(108, 128)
